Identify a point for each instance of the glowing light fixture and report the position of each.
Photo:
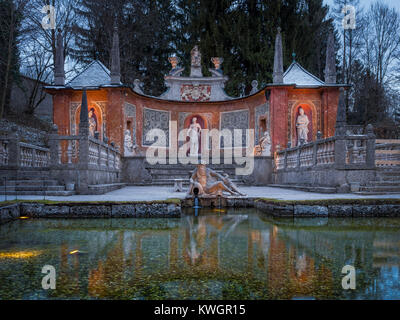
(219, 210)
(24, 218)
(20, 254)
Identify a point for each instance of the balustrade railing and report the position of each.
(33, 156)
(350, 152)
(387, 153)
(64, 152)
(4, 152)
(325, 152)
(102, 155)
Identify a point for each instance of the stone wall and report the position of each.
(321, 209)
(26, 134)
(90, 210)
(167, 209)
(134, 171)
(263, 172)
(20, 95)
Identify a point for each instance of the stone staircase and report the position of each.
(305, 188)
(387, 182)
(165, 175)
(33, 184)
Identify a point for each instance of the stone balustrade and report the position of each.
(3, 152)
(387, 153)
(14, 153)
(33, 156)
(323, 153)
(80, 160)
(64, 150)
(102, 155)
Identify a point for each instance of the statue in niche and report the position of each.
(129, 148)
(265, 145)
(302, 123)
(207, 182)
(92, 122)
(194, 135)
(196, 57)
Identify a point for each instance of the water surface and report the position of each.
(216, 255)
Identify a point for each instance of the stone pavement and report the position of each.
(152, 193)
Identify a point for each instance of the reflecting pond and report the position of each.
(240, 254)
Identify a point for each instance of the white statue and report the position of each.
(265, 143)
(128, 145)
(302, 127)
(194, 135)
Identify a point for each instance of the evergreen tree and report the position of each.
(10, 23)
(145, 31)
(241, 31)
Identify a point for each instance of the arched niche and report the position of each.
(95, 117)
(311, 112)
(200, 120)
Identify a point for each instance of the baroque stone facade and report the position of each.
(238, 120)
(116, 108)
(155, 119)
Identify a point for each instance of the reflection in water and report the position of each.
(215, 255)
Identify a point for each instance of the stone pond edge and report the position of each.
(173, 208)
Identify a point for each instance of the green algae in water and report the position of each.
(217, 255)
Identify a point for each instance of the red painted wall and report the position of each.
(283, 100)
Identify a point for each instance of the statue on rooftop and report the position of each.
(176, 70)
(196, 57)
(207, 182)
(195, 70)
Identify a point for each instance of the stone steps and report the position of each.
(32, 183)
(387, 182)
(32, 175)
(171, 182)
(388, 175)
(39, 193)
(166, 174)
(105, 188)
(305, 188)
(375, 189)
(32, 188)
(391, 183)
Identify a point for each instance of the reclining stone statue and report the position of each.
(207, 183)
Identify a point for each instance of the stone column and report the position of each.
(370, 156)
(14, 153)
(54, 144)
(298, 157)
(278, 59)
(285, 160)
(340, 133)
(315, 153)
(83, 185)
